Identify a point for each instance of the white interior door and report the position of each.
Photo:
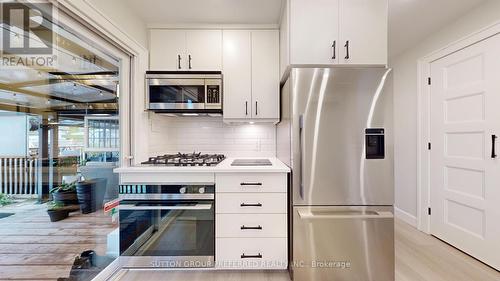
(464, 175)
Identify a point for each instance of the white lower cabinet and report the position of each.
(251, 225)
(251, 221)
(251, 253)
(250, 203)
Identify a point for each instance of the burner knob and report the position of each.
(201, 190)
(182, 190)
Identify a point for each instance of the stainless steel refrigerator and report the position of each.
(336, 134)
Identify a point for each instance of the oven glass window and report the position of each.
(167, 228)
(176, 94)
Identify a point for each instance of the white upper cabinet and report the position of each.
(363, 31)
(250, 61)
(265, 74)
(167, 49)
(314, 31)
(204, 49)
(185, 50)
(334, 32)
(237, 71)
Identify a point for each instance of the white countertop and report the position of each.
(223, 167)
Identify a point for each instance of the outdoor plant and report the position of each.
(64, 187)
(54, 206)
(5, 199)
(57, 211)
(65, 193)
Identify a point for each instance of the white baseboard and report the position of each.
(406, 217)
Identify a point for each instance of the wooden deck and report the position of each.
(33, 248)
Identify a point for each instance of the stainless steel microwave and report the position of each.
(184, 92)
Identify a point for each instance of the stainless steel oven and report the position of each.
(164, 226)
(184, 92)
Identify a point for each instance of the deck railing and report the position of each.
(19, 175)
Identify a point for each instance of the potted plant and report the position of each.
(57, 211)
(65, 194)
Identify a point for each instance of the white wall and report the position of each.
(124, 18)
(405, 98)
(210, 135)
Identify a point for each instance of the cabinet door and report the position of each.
(265, 74)
(314, 31)
(363, 24)
(166, 46)
(236, 64)
(204, 49)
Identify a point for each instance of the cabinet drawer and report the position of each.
(250, 203)
(251, 182)
(251, 253)
(251, 225)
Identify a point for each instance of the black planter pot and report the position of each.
(90, 194)
(57, 215)
(66, 198)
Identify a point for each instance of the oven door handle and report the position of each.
(145, 208)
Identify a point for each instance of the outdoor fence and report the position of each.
(19, 175)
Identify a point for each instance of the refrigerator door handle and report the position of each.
(305, 214)
(301, 172)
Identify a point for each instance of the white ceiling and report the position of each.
(410, 21)
(207, 11)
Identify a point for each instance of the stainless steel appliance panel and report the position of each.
(330, 110)
(343, 244)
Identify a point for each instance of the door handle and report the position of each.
(250, 205)
(347, 49)
(256, 112)
(493, 144)
(301, 173)
(258, 256)
(189, 60)
(246, 108)
(251, 227)
(334, 46)
(251, 183)
(179, 61)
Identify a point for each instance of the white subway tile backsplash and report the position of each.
(210, 135)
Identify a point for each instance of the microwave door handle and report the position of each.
(145, 208)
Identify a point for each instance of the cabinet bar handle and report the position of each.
(246, 108)
(493, 144)
(189, 56)
(251, 227)
(179, 61)
(256, 112)
(258, 256)
(334, 46)
(347, 49)
(250, 183)
(250, 205)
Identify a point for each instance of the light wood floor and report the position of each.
(419, 257)
(33, 248)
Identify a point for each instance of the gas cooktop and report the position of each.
(185, 159)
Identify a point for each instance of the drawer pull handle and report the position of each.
(259, 256)
(251, 227)
(251, 183)
(250, 205)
